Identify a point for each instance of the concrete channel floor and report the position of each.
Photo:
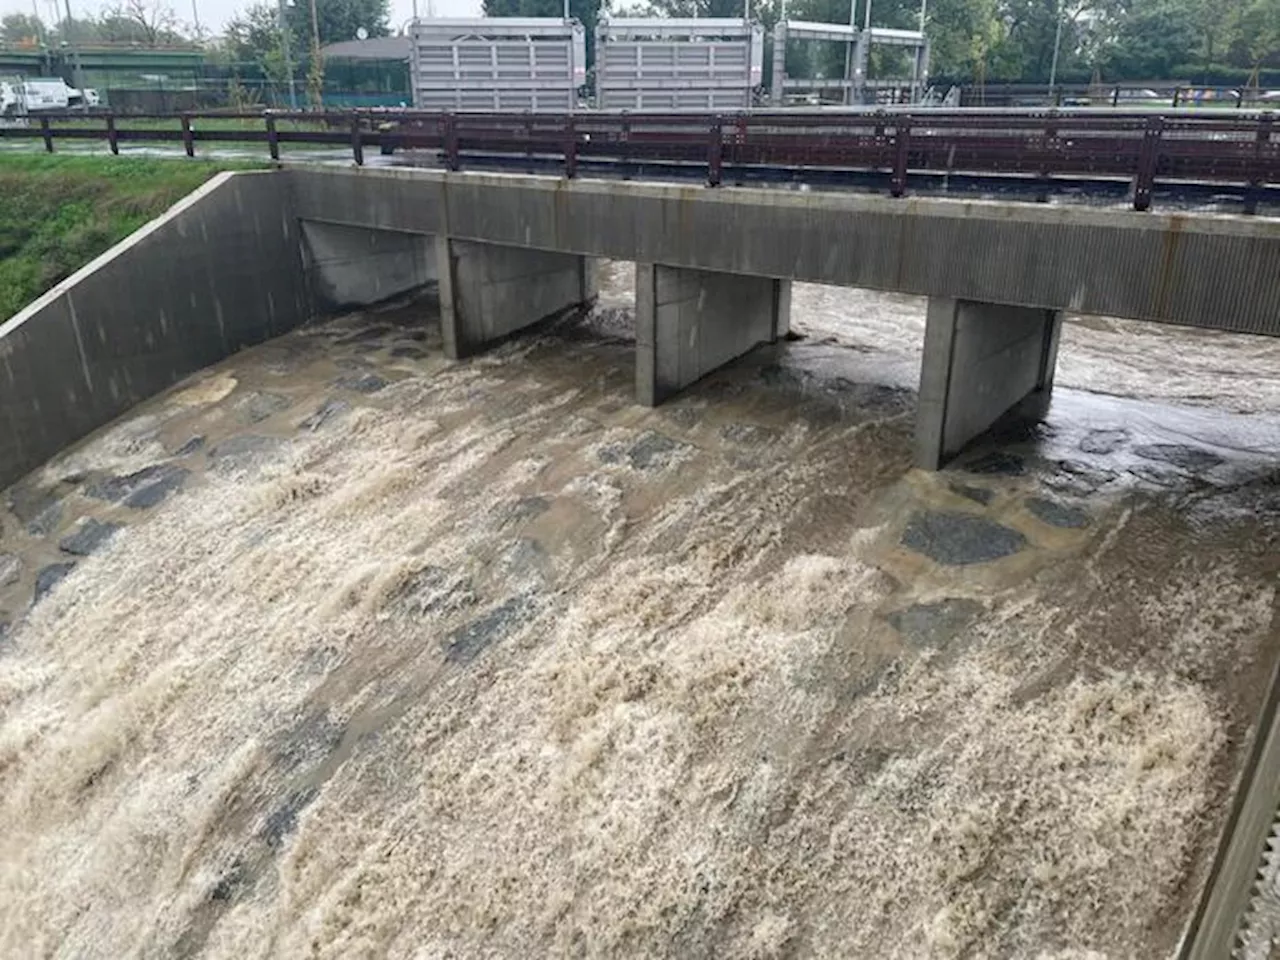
(338, 648)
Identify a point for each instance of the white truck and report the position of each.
(20, 97)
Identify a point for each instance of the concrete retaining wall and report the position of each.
(689, 322)
(488, 292)
(219, 271)
(981, 360)
(355, 266)
(1221, 272)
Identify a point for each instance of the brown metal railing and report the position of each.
(1237, 149)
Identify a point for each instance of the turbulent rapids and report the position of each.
(338, 649)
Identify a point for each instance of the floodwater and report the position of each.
(338, 649)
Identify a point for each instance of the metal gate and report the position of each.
(678, 64)
(855, 87)
(507, 63)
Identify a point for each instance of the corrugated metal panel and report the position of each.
(498, 64)
(677, 64)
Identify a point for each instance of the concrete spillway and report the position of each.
(338, 645)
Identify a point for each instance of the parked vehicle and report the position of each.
(21, 97)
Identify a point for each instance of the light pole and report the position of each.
(288, 59)
(77, 72)
(1057, 42)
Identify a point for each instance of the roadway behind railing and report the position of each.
(1036, 148)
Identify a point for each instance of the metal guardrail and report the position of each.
(1239, 150)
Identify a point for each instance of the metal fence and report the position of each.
(1036, 148)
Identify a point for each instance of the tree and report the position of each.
(586, 12)
(149, 22)
(1260, 26)
(255, 33)
(21, 28)
(1152, 39)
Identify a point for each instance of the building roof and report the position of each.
(375, 48)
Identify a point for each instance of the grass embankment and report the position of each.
(59, 212)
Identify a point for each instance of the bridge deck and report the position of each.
(1212, 271)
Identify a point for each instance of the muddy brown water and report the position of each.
(341, 649)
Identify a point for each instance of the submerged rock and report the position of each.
(1000, 464)
(49, 577)
(142, 489)
(1180, 455)
(327, 411)
(243, 449)
(956, 539)
(88, 536)
(934, 625)
(361, 383)
(977, 494)
(1103, 441)
(470, 640)
(1058, 514)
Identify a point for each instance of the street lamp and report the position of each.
(1057, 43)
(288, 59)
(77, 73)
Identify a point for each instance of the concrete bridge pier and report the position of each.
(689, 322)
(981, 361)
(488, 292)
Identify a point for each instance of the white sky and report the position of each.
(215, 13)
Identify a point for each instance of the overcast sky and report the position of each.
(215, 13)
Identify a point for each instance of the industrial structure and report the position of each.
(497, 63)
(856, 86)
(678, 64)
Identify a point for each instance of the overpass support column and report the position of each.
(488, 292)
(689, 322)
(981, 361)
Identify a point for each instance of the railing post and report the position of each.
(571, 148)
(1148, 160)
(273, 138)
(715, 154)
(188, 142)
(901, 144)
(452, 159)
(1050, 148)
(47, 134)
(357, 141)
(1254, 188)
(624, 136)
(112, 140)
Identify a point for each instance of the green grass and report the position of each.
(59, 212)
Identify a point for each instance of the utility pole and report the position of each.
(315, 75)
(1057, 43)
(195, 19)
(848, 52)
(77, 72)
(288, 58)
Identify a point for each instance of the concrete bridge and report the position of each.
(252, 255)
